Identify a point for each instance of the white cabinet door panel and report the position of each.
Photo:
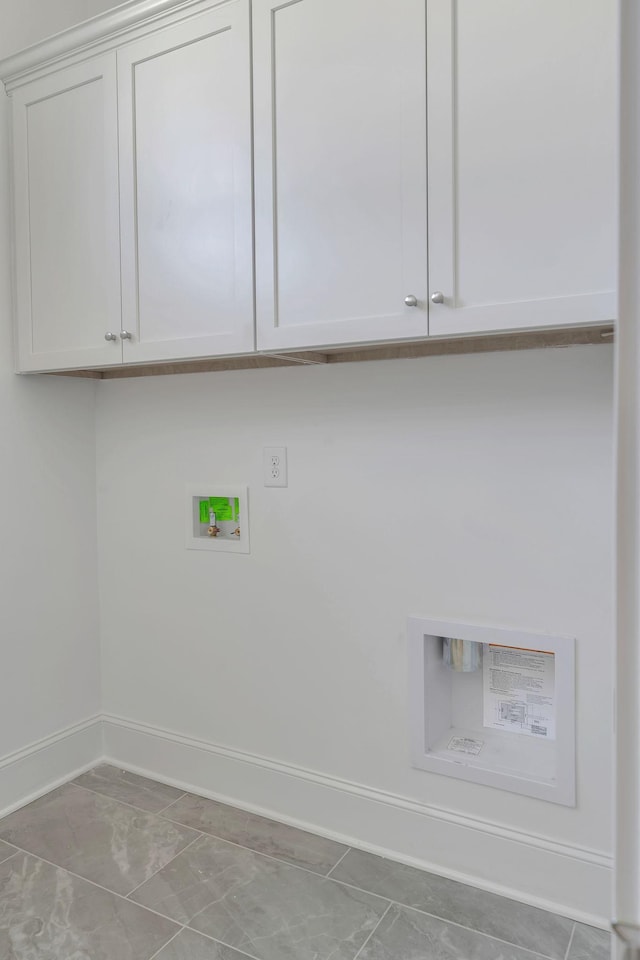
(340, 171)
(66, 217)
(185, 149)
(521, 97)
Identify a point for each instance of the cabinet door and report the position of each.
(340, 171)
(185, 161)
(522, 135)
(65, 169)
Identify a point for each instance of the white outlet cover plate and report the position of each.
(274, 460)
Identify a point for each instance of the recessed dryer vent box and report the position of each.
(494, 706)
(217, 517)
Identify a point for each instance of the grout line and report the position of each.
(259, 853)
(338, 864)
(120, 896)
(277, 860)
(373, 931)
(190, 844)
(160, 812)
(9, 855)
(163, 813)
(479, 933)
(250, 956)
(391, 903)
(132, 806)
(14, 854)
(206, 907)
(215, 836)
(573, 933)
(158, 952)
(371, 893)
(352, 886)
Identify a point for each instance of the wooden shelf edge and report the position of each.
(485, 343)
(530, 340)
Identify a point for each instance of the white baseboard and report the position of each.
(563, 878)
(566, 879)
(42, 766)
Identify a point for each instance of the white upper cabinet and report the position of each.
(185, 182)
(146, 163)
(522, 139)
(65, 167)
(339, 92)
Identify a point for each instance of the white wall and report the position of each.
(49, 674)
(473, 487)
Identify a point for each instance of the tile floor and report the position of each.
(117, 867)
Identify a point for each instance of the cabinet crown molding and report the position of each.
(85, 37)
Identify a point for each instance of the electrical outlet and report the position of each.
(274, 461)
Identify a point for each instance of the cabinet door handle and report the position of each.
(125, 335)
(411, 301)
(437, 297)
(111, 336)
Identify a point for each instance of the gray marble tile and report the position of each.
(6, 850)
(129, 787)
(191, 946)
(266, 836)
(407, 935)
(262, 907)
(47, 914)
(508, 920)
(96, 837)
(590, 944)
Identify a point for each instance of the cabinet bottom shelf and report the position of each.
(440, 346)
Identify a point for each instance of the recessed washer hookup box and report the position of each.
(494, 706)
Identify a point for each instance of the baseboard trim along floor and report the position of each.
(33, 771)
(565, 879)
(568, 880)
(116, 863)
